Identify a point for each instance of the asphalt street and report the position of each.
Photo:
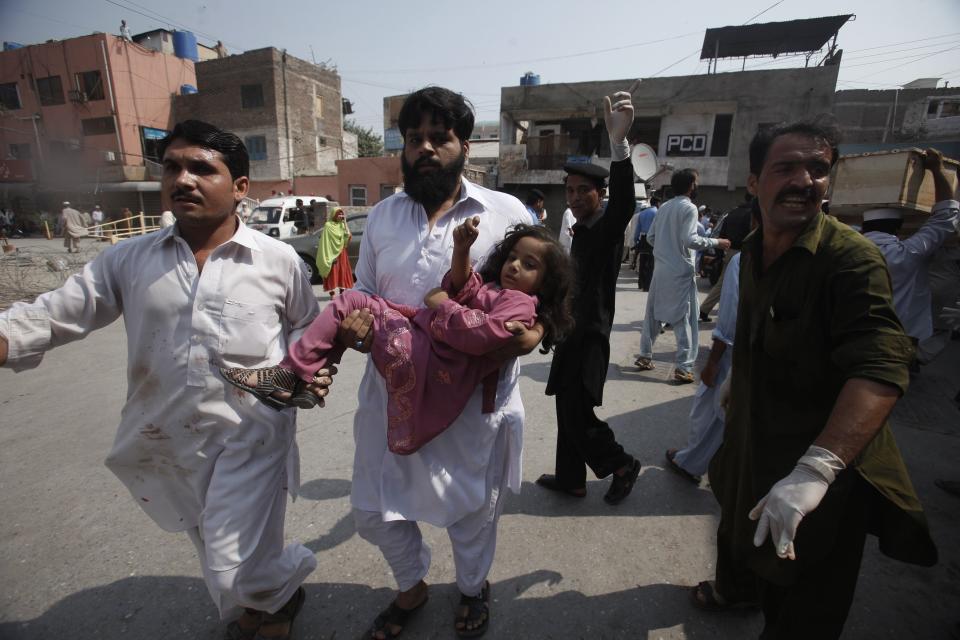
(79, 559)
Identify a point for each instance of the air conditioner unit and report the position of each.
(76, 95)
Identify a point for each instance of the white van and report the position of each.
(276, 216)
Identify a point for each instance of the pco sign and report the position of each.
(690, 144)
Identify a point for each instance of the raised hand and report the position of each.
(618, 115)
(465, 234)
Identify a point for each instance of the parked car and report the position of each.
(276, 216)
(306, 245)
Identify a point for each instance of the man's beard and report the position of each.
(432, 188)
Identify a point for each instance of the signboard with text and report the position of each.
(686, 144)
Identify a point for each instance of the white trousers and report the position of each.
(473, 537)
(266, 579)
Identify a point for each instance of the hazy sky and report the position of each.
(386, 48)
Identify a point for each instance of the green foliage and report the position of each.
(369, 143)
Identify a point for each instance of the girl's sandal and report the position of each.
(474, 624)
(270, 380)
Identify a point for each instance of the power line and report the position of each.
(156, 17)
(935, 53)
(529, 61)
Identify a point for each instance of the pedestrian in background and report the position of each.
(333, 260)
(673, 288)
(578, 372)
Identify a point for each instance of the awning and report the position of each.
(771, 38)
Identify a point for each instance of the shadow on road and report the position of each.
(153, 607)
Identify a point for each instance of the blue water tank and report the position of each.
(530, 79)
(187, 89)
(185, 45)
(10, 46)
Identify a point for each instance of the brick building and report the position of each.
(287, 111)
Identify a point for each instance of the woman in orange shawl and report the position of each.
(333, 263)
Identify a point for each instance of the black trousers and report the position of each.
(644, 263)
(817, 604)
(584, 439)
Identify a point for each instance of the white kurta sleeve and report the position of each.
(300, 305)
(367, 262)
(87, 301)
(692, 239)
(934, 231)
(726, 327)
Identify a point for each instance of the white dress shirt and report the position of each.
(675, 240)
(250, 300)
(907, 263)
(566, 223)
(401, 259)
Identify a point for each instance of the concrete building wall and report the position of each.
(898, 115)
(374, 174)
(753, 98)
(301, 116)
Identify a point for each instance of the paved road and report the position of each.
(79, 560)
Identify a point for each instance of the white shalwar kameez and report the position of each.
(197, 455)
(456, 480)
(673, 288)
(706, 415)
(907, 262)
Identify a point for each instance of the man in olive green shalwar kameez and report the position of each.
(819, 360)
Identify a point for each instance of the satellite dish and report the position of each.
(644, 161)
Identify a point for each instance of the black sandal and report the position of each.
(236, 632)
(269, 380)
(477, 606)
(286, 615)
(673, 466)
(549, 481)
(393, 616)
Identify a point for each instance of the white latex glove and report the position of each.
(788, 501)
(618, 116)
(951, 315)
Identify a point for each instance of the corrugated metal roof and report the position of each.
(771, 38)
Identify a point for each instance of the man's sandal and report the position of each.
(393, 616)
(475, 623)
(644, 364)
(285, 616)
(549, 481)
(705, 597)
(270, 380)
(238, 631)
(674, 466)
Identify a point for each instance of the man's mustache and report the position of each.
(426, 162)
(805, 193)
(186, 196)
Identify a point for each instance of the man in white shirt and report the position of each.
(197, 456)
(459, 479)
(97, 217)
(566, 229)
(673, 290)
(907, 260)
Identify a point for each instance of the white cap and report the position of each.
(66, 203)
(702, 208)
(882, 214)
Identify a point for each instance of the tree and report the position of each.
(370, 145)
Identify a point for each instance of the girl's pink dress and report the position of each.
(431, 359)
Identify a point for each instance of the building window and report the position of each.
(150, 142)
(50, 90)
(943, 109)
(358, 195)
(318, 106)
(256, 147)
(20, 151)
(722, 125)
(90, 83)
(251, 96)
(387, 190)
(97, 126)
(9, 96)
